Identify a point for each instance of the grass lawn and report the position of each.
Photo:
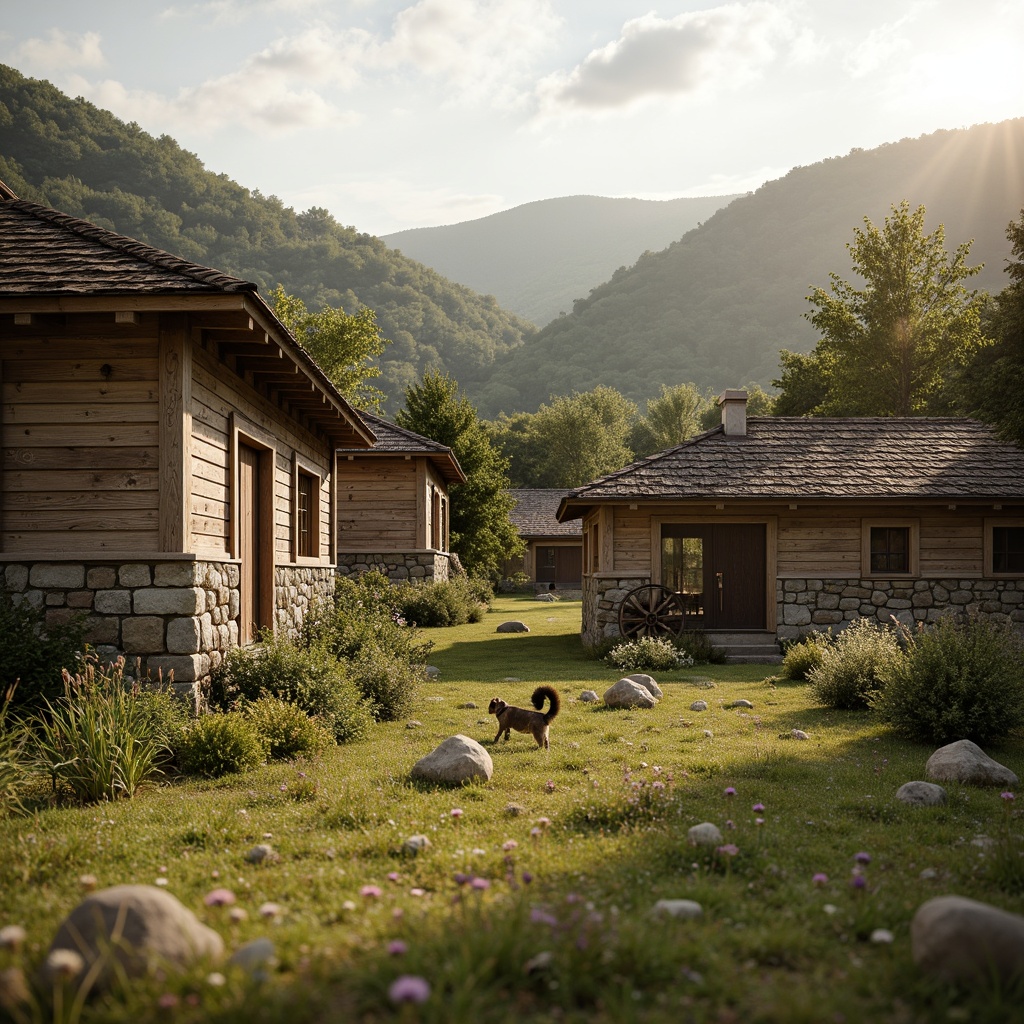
(534, 903)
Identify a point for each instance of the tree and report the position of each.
(803, 386)
(675, 415)
(888, 347)
(482, 534)
(341, 343)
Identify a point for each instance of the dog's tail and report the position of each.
(552, 695)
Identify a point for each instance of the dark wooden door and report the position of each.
(248, 543)
(719, 571)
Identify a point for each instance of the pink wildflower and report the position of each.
(409, 988)
(820, 879)
(730, 791)
(219, 898)
(397, 947)
(371, 892)
(480, 884)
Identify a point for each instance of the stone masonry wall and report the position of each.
(806, 605)
(297, 588)
(397, 565)
(601, 599)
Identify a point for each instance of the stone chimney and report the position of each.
(734, 412)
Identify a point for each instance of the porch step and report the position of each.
(747, 648)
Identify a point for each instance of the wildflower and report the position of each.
(161, 882)
(417, 892)
(728, 849)
(859, 882)
(397, 913)
(658, 785)
(348, 905)
(759, 821)
(730, 823)
(544, 822)
(12, 936)
(535, 833)
(829, 908)
(480, 884)
(862, 858)
(730, 791)
(393, 876)
(409, 988)
(216, 979)
(461, 878)
(656, 769)
(219, 898)
(371, 892)
(1007, 796)
(238, 915)
(509, 844)
(550, 785)
(64, 964)
(539, 916)
(284, 787)
(397, 947)
(820, 879)
(527, 878)
(270, 910)
(456, 813)
(882, 935)
(168, 1001)
(757, 808)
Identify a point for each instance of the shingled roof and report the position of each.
(395, 440)
(816, 458)
(535, 513)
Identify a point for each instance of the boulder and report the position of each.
(799, 734)
(142, 927)
(262, 853)
(956, 939)
(921, 794)
(513, 626)
(741, 703)
(627, 694)
(964, 761)
(457, 760)
(589, 697)
(705, 834)
(699, 705)
(684, 910)
(648, 683)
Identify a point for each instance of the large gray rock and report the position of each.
(685, 910)
(627, 694)
(457, 760)
(705, 834)
(964, 761)
(699, 705)
(961, 940)
(142, 927)
(648, 683)
(513, 626)
(921, 794)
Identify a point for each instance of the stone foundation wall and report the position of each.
(297, 588)
(601, 599)
(806, 605)
(397, 565)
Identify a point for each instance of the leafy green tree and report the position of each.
(343, 344)
(675, 415)
(482, 534)
(888, 347)
(803, 386)
(517, 437)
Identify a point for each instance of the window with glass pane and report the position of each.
(1008, 549)
(890, 549)
(682, 570)
(304, 524)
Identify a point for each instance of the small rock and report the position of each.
(513, 626)
(415, 844)
(961, 940)
(457, 760)
(882, 935)
(514, 810)
(964, 761)
(708, 734)
(545, 597)
(648, 683)
(741, 703)
(928, 875)
(699, 705)
(263, 853)
(589, 697)
(685, 910)
(254, 956)
(799, 734)
(921, 794)
(628, 694)
(511, 679)
(468, 706)
(705, 834)
(432, 671)
(413, 724)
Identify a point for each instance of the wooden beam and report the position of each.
(175, 433)
(126, 316)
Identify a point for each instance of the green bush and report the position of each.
(450, 602)
(386, 682)
(803, 657)
(286, 730)
(99, 740)
(220, 744)
(647, 653)
(855, 666)
(309, 677)
(962, 679)
(34, 653)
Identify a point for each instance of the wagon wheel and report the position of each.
(651, 611)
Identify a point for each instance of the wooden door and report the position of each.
(248, 543)
(719, 571)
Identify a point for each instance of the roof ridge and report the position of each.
(134, 248)
(366, 415)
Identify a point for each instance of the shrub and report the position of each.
(451, 602)
(803, 657)
(286, 730)
(647, 653)
(13, 767)
(854, 667)
(34, 653)
(98, 740)
(220, 744)
(697, 645)
(386, 682)
(309, 677)
(962, 679)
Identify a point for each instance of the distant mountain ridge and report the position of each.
(537, 258)
(716, 306)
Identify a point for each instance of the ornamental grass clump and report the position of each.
(855, 667)
(13, 767)
(962, 679)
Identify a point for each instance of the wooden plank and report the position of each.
(83, 435)
(89, 393)
(84, 458)
(80, 480)
(175, 433)
(210, 526)
(69, 346)
(99, 541)
(131, 412)
(82, 371)
(80, 499)
(19, 520)
(217, 490)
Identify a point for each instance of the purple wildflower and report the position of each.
(757, 808)
(1007, 796)
(371, 892)
(820, 879)
(396, 947)
(730, 791)
(480, 884)
(409, 988)
(862, 857)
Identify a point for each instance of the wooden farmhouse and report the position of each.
(768, 528)
(168, 449)
(393, 505)
(553, 558)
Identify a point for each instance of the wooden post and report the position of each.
(175, 370)
(422, 505)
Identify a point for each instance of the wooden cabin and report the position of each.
(767, 528)
(393, 504)
(168, 449)
(553, 556)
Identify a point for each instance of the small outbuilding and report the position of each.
(553, 556)
(766, 528)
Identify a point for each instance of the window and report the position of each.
(307, 514)
(549, 558)
(595, 548)
(889, 547)
(1008, 550)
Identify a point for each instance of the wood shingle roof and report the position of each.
(819, 458)
(395, 440)
(535, 513)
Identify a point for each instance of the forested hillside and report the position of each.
(81, 160)
(537, 259)
(718, 305)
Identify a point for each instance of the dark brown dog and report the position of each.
(525, 720)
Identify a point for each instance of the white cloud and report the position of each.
(59, 52)
(724, 47)
(883, 43)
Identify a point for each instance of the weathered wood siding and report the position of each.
(80, 438)
(380, 504)
(217, 396)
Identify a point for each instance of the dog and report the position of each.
(525, 720)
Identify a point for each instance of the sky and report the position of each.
(394, 114)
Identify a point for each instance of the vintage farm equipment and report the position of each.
(651, 611)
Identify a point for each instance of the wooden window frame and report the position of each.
(989, 547)
(913, 528)
(303, 468)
